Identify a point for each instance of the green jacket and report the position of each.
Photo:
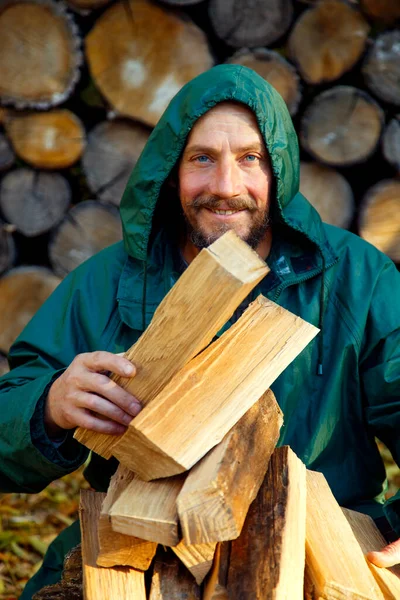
(337, 395)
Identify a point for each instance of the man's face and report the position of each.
(225, 177)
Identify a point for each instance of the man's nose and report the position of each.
(227, 179)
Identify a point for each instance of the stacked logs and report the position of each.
(84, 82)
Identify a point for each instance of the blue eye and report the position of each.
(203, 158)
(251, 157)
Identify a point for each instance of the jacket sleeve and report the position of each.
(380, 371)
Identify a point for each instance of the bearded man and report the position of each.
(223, 156)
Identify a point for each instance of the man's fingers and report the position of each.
(389, 556)
(106, 361)
(105, 408)
(105, 387)
(87, 420)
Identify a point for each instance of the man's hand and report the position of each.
(84, 396)
(387, 557)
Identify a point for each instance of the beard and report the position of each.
(260, 224)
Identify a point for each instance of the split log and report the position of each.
(22, 291)
(215, 587)
(116, 548)
(147, 509)
(335, 564)
(111, 153)
(342, 126)
(327, 40)
(212, 392)
(140, 55)
(199, 304)
(276, 70)
(379, 221)
(39, 53)
(123, 583)
(267, 560)
(4, 368)
(197, 558)
(7, 156)
(218, 491)
(8, 251)
(171, 582)
(86, 229)
(52, 140)
(34, 201)
(386, 11)
(371, 540)
(381, 68)
(250, 23)
(391, 143)
(329, 193)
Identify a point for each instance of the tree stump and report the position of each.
(379, 217)
(381, 68)
(8, 252)
(391, 143)
(112, 151)
(386, 11)
(34, 201)
(52, 140)
(140, 56)
(86, 229)
(39, 53)
(276, 70)
(329, 192)
(22, 291)
(342, 126)
(7, 156)
(327, 40)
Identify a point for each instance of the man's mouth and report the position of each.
(225, 213)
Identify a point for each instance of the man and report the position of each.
(223, 156)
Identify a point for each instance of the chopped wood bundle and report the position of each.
(329, 192)
(391, 143)
(140, 55)
(381, 68)
(276, 70)
(37, 37)
(111, 153)
(7, 156)
(34, 201)
(341, 126)
(379, 217)
(327, 40)
(52, 140)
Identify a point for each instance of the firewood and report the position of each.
(250, 23)
(34, 201)
(371, 540)
(7, 156)
(218, 491)
(170, 581)
(391, 143)
(39, 53)
(213, 391)
(197, 558)
(196, 308)
(147, 509)
(379, 221)
(116, 548)
(52, 140)
(86, 229)
(386, 11)
(335, 564)
(329, 192)
(99, 583)
(267, 560)
(215, 585)
(381, 68)
(327, 40)
(276, 70)
(140, 55)
(342, 126)
(22, 291)
(8, 252)
(111, 153)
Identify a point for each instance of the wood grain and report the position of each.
(197, 558)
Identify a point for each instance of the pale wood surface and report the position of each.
(381, 67)
(194, 310)
(335, 564)
(120, 583)
(171, 581)
(116, 548)
(371, 540)
(267, 560)
(218, 491)
(215, 587)
(198, 558)
(147, 509)
(207, 397)
(391, 143)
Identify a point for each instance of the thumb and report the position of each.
(387, 557)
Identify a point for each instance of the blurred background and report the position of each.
(82, 83)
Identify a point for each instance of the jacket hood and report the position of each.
(163, 149)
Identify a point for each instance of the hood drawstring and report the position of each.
(321, 320)
(144, 295)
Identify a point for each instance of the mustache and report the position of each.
(212, 202)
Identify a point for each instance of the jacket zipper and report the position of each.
(286, 284)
